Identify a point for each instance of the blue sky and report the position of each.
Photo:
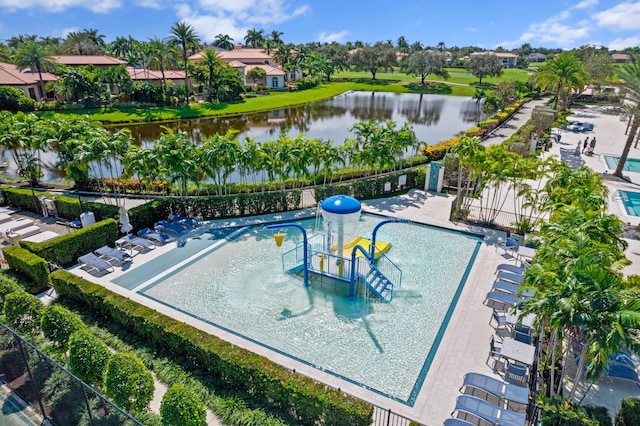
(488, 24)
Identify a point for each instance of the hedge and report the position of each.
(7, 286)
(374, 186)
(65, 249)
(34, 268)
(236, 368)
(214, 207)
(68, 207)
(629, 413)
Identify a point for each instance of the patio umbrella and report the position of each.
(125, 226)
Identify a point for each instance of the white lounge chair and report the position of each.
(94, 265)
(489, 412)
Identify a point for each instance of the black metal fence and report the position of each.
(386, 417)
(54, 393)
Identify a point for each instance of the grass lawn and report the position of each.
(458, 85)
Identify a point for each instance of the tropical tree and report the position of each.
(254, 38)
(275, 37)
(630, 74)
(58, 324)
(257, 75)
(484, 65)
(373, 58)
(402, 44)
(184, 36)
(161, 56)
(128, 382)
(466, 152)
(23, 312)
(178, 157)
(425, 62)
(34, 55)
(564, 72)
(221, 154)
(223, 41)
(181, 406)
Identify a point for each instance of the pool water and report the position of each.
(631, 202)
(385, 347)
(631, 165)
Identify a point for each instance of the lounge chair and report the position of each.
(114, 256)
(15, 235)
(157, 238)
(474, 382)
(489, 412)
(517, 375)
(141, 245)
(189, 222)
(94, 265)
(510, 245)
(170, 228)
(13, 225)
(457, 422)
(510, 268)
(508, 276)
(511, 288)
(501, 301)
(4, 217)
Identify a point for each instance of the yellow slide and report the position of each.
(381, 246)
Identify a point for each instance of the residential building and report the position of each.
(537, 57)
(508, 60)
(621, 57)
(28, 81)
(99, 61)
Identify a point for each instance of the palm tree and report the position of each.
(254, 38)
(564, 72)
(122, 47)
(223, 41)
(34, 55)
(466, 151)
(184, 35)
(630, 74)
(275, 36)
(162, 55)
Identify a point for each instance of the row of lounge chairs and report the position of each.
(102, 260)
(177, 225)
(15, 230)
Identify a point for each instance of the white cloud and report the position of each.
(330, 37)
(623, 43)
(585, 3)
(471, 29)
(209, 26)
(555, 30)
(63, 33)
(625, 16)
(100, 6)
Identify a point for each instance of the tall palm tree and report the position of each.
(162, 56)
(254, 38)
(275, 36)
(630, 73)
(223, 41)
(184, 36)
(34, 55)
(564, 72)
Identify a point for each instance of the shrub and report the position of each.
(12, 99)
(7, 286)
(23, 312)
(181, 406)
(88, 356)
(373, 186)
(629, 413)
(65, 249)
(437, 152)
(599, 414)
(34, 268)
(128, 382)
(561, 412)
(58, 324)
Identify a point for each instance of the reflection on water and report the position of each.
(332, 119)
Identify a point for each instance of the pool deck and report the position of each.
(465, 344)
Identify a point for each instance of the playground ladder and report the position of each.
(378, 283)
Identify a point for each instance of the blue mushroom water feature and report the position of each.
(341, 214)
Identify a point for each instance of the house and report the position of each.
(621, 57)
(508, 60)
(245, 59)
(28, 81)
(99, 61)
(155, 76)
(537, 57)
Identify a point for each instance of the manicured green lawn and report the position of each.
(458, 85)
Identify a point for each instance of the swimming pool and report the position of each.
(630, 201)
(631, 165)
(385, 347)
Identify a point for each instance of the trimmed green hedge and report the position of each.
(215, 207)
(68, 207)
(34, 268)
(65, 249)
(238, 369)
(374, 186)
(629, 413)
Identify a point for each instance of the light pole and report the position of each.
(304, 242)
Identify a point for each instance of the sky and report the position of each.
(541, 23)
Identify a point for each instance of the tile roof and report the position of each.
(141, 74)
(88, 59)
(272, 71)
(11, 76)
(238, 54)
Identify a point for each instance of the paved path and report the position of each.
(517, 120)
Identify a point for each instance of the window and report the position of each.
(274, 82)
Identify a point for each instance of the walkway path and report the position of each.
(517, 120)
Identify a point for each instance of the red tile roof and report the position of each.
(88, 59)
(11, 76)
(141, 74)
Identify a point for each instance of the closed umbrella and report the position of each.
(125, 226)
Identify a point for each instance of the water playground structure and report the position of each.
(326, 254)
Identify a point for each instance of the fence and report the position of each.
(54, 393)
(490, 218)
